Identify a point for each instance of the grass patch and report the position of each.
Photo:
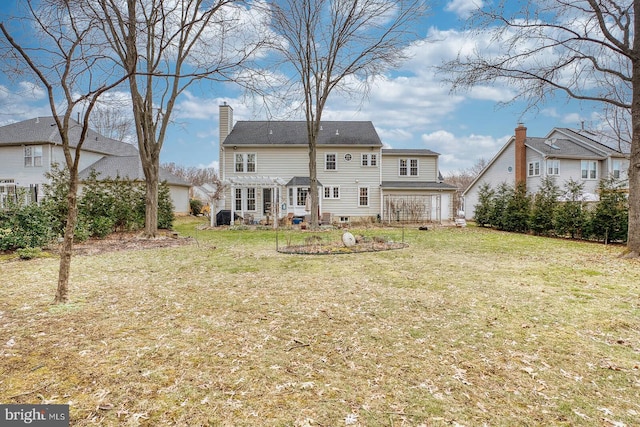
(466, 326)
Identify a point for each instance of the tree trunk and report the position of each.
(633, 242)
(151, 201)
(313, 184)
(62, 293)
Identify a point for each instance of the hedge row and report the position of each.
(103, 207)
(555, 212)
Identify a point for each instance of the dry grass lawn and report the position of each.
(464, 327)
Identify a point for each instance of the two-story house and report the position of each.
(29, 149)
(265, 166)
(563, 154)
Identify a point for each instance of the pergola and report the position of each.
(257, 182)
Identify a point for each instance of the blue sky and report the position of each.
(411, 107)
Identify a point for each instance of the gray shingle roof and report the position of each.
(295, 133)
(409, 152)
(301, 181)
(417, 185)
(43, 130)
(128, 167)
(561, 148)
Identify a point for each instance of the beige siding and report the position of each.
(427, 168)
(501, 170)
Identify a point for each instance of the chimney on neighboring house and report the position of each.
(521, 154)
(226, 121)
(226, 125)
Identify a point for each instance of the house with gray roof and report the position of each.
(265, 168)
(29, 149)
(563, 154)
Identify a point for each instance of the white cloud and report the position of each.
(463, 8)
(462, 152)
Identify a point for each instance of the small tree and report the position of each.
(517, 212)
(499, 203)
(485, 205)
(544, 206)
(332, 44)
(570, 215)
(608, 221)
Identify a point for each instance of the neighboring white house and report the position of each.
(30, 148)
(265, 168)
(563, 154)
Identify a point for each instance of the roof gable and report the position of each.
(43, 130)
(273, 133)
(126, 167)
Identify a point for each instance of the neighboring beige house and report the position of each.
(265, 168)
(563, 154)
(30, 148)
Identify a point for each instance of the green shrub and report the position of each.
(28, 253)
(610, 219)
(196, 206)
(570, 215)
(543, 207)
(517, 210)
(484, 206)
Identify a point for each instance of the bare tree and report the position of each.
(113, 119)
(65, 59)
(193, 175)
(463, 178)
(587, 50)
(331, 43)
(165, 46)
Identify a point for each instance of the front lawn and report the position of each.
(465, 326)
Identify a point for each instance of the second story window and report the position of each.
(245, 162)
(534, 169)
(330, 162)
(33, 156)
(553, 167)
(408, 167)
(369, 159)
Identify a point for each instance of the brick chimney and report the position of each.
(521, 154)
(226, 121)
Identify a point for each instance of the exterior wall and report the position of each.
(180, 199)
(427, 168)
(501, 170)
(290, 161)
(441, 203)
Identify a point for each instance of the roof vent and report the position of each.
(270, 131)
(320, 127)
(337, 132)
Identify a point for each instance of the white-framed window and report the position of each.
(616, 169)
(330, 161)
(7, 191)
(553, 167)
(245, 162)
(251, 199)
(245, 200)
(32, 156)
(588, 169)
(534, 169)
(301, 197)
(331, 192)
(408, 167)
(363, 196)
(238, 199)
(369, 159)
